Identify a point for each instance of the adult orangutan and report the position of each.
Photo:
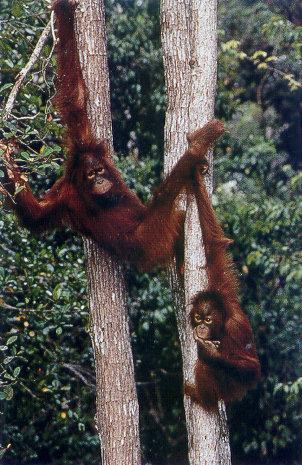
(91, 196)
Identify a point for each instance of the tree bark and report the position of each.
(117, 414)
(189, 39)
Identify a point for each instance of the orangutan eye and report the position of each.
(197, 318)
(101, 170)
(208, 319)
(90, 175)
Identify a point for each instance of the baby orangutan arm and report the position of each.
(240, 362)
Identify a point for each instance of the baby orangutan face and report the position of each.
(207, 320)
(95, 175)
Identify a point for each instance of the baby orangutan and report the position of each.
(225, 367)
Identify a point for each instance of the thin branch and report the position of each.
(6, 150)
(18, 309)
(77, 371)
(7, 306)
(24, 118)
(30, 392)
(52, 22)
(24, 71)
(54, 42)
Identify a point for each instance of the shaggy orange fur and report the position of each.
(91, 196)
(226, 367)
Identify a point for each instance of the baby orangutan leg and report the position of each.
(205, 391)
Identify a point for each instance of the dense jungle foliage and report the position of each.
(46, 360)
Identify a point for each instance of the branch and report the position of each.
(7, 306)
(18, 309)
(78, 372)
(24, 71)
(6, 150)
(30, 392)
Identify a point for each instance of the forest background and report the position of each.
(47, 390)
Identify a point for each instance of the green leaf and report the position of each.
(26, 155)
(59, 331)
(17, 371)
(47, 151)
(81, 426)
(11, 340)
(57, 291)
(259, 53)
(8, 392)
(17, 9)
(6, 86)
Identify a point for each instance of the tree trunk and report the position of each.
(117, 415)
(189, 39)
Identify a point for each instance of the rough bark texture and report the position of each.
(117, 416)
(189, 39)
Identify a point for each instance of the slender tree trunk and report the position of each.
(189, 39)
(117, 415)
